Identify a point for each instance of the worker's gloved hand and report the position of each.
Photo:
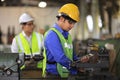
(84, 59)
(30, 63)
(27, 63)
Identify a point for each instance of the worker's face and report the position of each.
(28, 27)
(67, 24)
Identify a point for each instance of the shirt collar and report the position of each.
(58, 28)
(65, 33)
(26, 35)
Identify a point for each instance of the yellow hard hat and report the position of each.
(71, 10)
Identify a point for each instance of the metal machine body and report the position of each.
(97, 68)
(9, 66)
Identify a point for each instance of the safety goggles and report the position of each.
(70, 21)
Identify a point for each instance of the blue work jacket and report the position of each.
(55, 53)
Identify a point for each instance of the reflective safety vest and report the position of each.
(25, 47)
(68, 50)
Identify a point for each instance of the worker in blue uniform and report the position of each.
(58, 43)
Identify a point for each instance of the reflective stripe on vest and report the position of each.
(44, 64)
(21, 49)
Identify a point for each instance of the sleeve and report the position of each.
(14, 47)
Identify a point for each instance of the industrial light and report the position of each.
(2, 0)
(99, 22)
(90, 23)
(42, 4)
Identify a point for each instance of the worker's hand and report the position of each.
(31, 62)
(84, 59)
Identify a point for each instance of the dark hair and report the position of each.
(64, 16)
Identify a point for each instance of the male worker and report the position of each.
(58, 43)
(28, 41)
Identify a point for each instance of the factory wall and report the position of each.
(43, 17)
